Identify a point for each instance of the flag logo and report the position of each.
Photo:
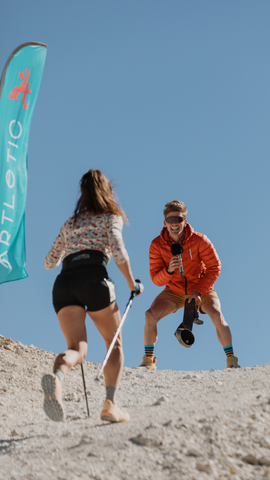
(23, 88)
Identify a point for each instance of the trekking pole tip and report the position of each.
(98, 377)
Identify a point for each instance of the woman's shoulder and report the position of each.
(113, 219)
(68, 223)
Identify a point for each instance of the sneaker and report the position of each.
(112, 413)
(198, 321)
(52, 405)
(148, 363)
(232, 362)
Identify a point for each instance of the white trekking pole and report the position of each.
(132, 295)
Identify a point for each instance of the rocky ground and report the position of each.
(191, 425)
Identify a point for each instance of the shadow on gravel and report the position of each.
(106, 424)
(6, 445)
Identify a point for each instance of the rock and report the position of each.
(72, 397)
(160, 401)
(145, 442)
(264, 461)
(181, 425)
(202, 420)
(204, 467)
(264, 442)
(167, 424)
(251, 459)
(192, 452)
(151, 425)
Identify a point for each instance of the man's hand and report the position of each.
(174, 263)
(197, 297)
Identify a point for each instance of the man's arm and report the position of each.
(210, 258)
(158, 267)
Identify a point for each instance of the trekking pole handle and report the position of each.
(136, 292)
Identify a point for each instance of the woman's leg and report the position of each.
(72, 323)
(107, 321)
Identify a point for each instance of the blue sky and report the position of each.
(171, 101)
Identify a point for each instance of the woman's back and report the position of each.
(102, 232)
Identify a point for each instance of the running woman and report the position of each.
(85, 244)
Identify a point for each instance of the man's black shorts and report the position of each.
(88, 287)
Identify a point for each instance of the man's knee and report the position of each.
(150, 317)
(213, 309)
(218, 319)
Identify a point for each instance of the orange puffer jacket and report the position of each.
(201, 263)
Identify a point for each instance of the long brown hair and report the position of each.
(97, 196)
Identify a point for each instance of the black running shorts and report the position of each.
(88, 287)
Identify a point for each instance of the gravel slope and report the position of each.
(191, 425)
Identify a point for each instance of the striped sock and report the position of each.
(149, 351)
(228, 350)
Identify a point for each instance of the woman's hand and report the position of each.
(138, 288)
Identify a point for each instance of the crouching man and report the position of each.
(190, 275)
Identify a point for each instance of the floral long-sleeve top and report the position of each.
(101, 232)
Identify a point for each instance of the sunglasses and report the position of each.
(174, 219)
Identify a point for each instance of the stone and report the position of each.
(251, 459)
(160, 401)
(145, 442)
(192, 452)
(264, 461)
(204, 467)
